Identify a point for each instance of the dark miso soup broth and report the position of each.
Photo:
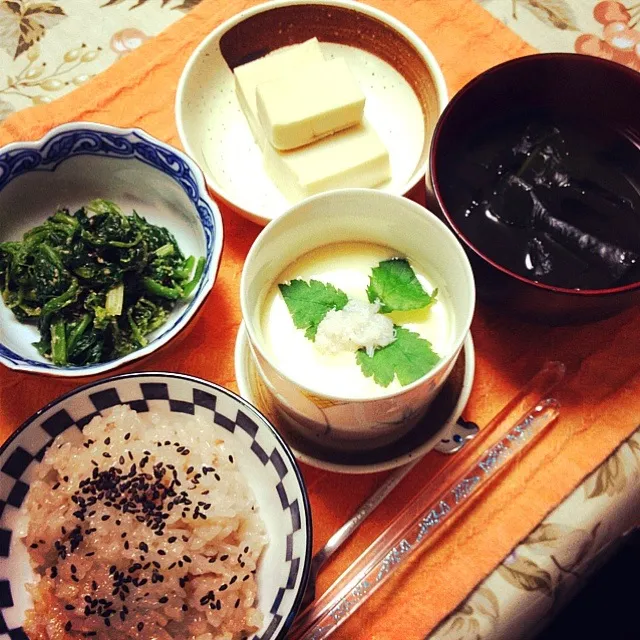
(555, 201)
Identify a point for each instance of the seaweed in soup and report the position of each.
(556, 202)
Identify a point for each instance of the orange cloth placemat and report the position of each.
(601, 398)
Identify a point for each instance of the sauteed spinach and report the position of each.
(96, 282)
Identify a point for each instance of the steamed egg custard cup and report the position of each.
(343, 419)
(404, 87)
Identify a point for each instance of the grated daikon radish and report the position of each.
(357, 325)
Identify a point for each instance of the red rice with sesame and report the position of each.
(142, 527)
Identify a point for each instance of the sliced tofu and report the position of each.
(354, 157)
(304, 105)
(274, 65)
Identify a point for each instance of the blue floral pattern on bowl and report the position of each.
(89, 139)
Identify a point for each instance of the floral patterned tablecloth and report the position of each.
(48, 48)
(549, 567)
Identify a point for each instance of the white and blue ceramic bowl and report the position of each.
(80, 161)
(262, 456)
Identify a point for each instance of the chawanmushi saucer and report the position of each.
(442, 427)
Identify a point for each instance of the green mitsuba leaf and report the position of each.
(409, 357)
(309, 302)
(394, 284)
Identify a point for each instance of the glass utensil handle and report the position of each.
(413, 526)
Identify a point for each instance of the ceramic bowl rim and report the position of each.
(208, 278)
(423, 51)
(398, 460)
(431, 175)
(300, 482)
(359, 192)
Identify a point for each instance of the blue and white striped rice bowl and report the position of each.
(262, 457)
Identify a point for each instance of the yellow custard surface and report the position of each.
(347, 266)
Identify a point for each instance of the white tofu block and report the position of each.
(305, 105)
(354, 157)
(275, 64)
